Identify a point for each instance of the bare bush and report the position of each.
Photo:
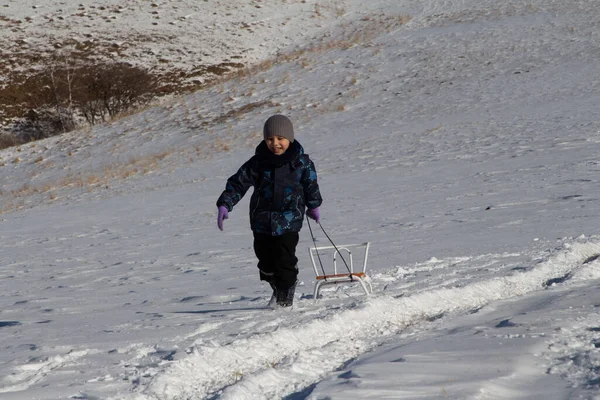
(109, 90)
(48, 96)
(44, 122)
(8, 140)
(61, 96)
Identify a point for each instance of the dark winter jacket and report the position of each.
(283, 187)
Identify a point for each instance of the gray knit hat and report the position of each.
(279, 125)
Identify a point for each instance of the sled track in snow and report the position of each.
(290, 359)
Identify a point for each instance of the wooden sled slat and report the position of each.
(358, 274)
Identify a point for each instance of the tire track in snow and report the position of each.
(272, 365)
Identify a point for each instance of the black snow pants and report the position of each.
(277, 261)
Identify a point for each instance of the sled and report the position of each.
(345, 276)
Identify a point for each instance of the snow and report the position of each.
(458, 137)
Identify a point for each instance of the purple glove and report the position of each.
(314, 214)
(223, 214)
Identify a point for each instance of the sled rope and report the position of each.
(315, 243)
(334, 246)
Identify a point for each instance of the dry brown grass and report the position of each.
(88, 181)
(371, 28)
(238, 112)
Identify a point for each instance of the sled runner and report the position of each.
(348, 276)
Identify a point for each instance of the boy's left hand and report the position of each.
(314, 214)
(223, 214)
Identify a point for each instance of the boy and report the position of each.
(285, 184)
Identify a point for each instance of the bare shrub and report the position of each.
(59, 97)
(8, 140)
(48, 97)
(44, 122)
(109, 90)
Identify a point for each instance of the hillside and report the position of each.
(459, 138)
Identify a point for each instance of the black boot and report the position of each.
(285, 297)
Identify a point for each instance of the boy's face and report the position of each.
(277, 144)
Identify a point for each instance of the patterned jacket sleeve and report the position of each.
(237, 185)
(312, 195)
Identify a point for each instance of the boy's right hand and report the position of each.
(314, 214)
(223, 214)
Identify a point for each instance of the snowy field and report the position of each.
(459, 137)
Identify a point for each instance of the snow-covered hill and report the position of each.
(173, 35)
(460, 138)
